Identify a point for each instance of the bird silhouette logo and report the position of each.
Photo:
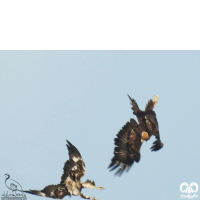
(190, 190)
(15, 187)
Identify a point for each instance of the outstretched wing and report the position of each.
(52, 191)
(74, 169)
(135, 107)
(127, 149)
(136, 111)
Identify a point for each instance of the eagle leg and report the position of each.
(87, 197)
(91, 184)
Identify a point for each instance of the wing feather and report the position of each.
(127, 147)
(135, 107)
(139, 113)
(152, 123)
(73, 169)
(150, 105)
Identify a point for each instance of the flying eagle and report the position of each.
(130, 138)
(70, 184)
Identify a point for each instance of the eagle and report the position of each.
(130, 138)
(70, 183)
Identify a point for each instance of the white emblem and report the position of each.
(189, 189)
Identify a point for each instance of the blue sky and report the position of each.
(50, 96)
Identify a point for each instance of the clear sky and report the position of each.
(50, 96)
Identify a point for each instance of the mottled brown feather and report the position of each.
(70, 184)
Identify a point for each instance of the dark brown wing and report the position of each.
(74, 169)
(153, 129)
(152, 123)
(139, 113)
(135, 107)
(151, 103)
(127, 149)
(150, 118)
(52, 191)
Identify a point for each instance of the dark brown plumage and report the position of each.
(148, 121)
(70, 184)
(130, 137)
(127, 147)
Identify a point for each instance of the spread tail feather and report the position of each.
(35, 192)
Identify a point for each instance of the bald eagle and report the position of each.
(130, 138)
(70, 184)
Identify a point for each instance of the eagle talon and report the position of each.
(157, 145)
